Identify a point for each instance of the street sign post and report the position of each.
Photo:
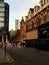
(4, 33)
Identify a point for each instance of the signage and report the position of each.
(4, 30)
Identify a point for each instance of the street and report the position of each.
(27, 56)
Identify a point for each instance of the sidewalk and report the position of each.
(41, 51)
(3, 59)
(44, 52)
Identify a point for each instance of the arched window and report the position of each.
(26, 27)
(48, 0)
(36, 22)
(43, 2)
(47, 15)
(32, 24)
(42, 19)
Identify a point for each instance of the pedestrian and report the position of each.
(13, 44)
(23, 44)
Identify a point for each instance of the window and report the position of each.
(2, 0)
(48, 0)
(43, 1)
(7, 19)
(30, 25)
(26, 27)
(2, 14)
(36, 22)
(2, 9)
(48, 15)
(42, 19)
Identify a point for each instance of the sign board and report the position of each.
(4, 30)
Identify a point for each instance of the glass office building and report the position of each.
(4, 18)
(17, 24)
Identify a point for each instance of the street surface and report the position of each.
(27, 56)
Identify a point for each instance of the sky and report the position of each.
(19, 8)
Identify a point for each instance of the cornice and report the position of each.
(40, 10)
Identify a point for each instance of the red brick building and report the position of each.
(22, 29)
(36, 26)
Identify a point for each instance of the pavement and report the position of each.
(41, 52)
(24, 56)
(28, 56)
(5, 59)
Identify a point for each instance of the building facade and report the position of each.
(31, 31)
(37, 25)
(15, 36)
(22, 30)
(17, 25)
(4, 20)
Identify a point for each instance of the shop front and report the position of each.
(31, 38)
(43, 36)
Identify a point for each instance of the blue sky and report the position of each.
(19, 8)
